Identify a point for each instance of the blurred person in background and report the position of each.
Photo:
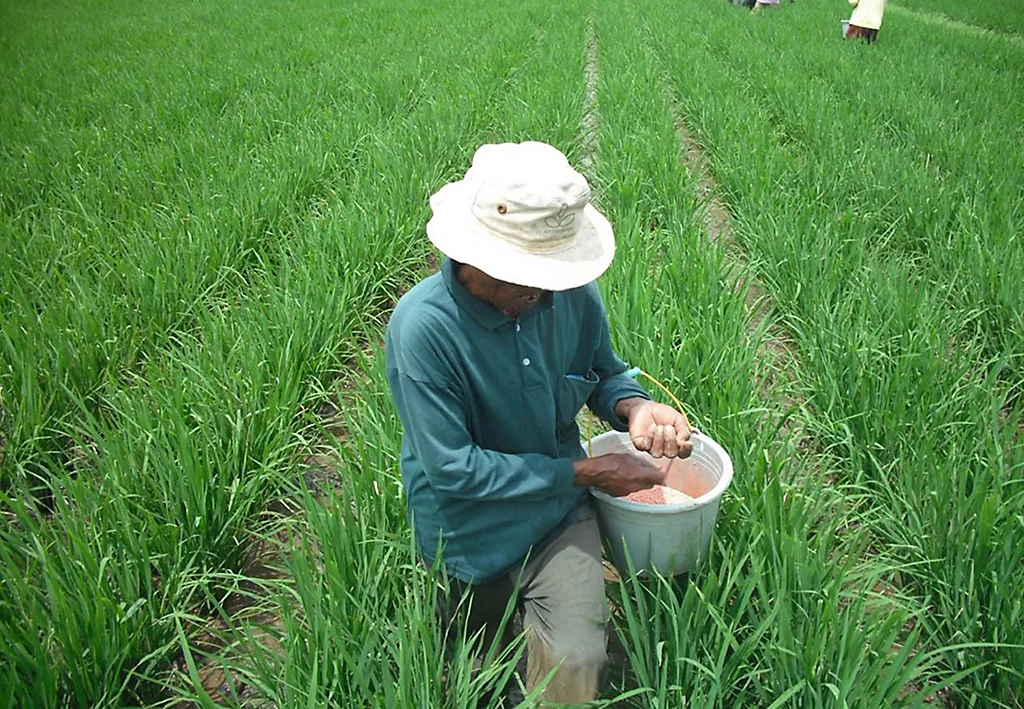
(866, 19)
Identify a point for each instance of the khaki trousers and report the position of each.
(561, 594)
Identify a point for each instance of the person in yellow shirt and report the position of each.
(866, 19)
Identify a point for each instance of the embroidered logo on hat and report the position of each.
(562, 220)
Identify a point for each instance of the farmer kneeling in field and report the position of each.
(489, 362)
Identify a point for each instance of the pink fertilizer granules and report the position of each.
(658, 495)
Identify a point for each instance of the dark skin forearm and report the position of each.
(617, 473)
(625, 407)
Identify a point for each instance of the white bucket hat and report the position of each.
(522, 215)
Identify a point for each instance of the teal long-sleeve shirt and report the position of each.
(488, 405)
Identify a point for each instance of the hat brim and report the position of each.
(457, 233)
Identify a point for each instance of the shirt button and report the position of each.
(526, 361)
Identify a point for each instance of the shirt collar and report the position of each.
(484, 313)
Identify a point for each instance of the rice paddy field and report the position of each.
(208, 209)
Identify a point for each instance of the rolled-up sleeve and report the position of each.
(435, 425)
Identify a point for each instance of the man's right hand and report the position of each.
(617, 474)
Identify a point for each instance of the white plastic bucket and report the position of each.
(667, 538)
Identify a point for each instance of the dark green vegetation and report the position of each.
(1003, 17)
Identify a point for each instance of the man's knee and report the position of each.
(577, 650)
(591, 655)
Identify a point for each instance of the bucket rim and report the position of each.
(704, 500)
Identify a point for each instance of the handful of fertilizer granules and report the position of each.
(658, 495)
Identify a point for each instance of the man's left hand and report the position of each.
(656, 428)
